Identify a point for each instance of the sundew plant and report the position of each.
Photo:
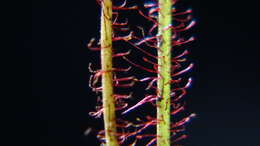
(143, 76)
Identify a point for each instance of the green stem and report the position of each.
(164, 75)
(107, 81)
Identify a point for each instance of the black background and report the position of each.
(225, 93)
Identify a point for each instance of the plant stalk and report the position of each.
(107, 80)
(164, 75)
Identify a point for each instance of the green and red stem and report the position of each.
(164, 73)
(107, 74)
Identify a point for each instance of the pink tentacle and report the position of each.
(184, 121)
(151, 142)
(122, 69)
(123, 96)
(139, 66)
(91, 46)
(178, 110)
(148, 98)
(142, 50)
(189, 11)
(123, 38)
(122, 54)
(192, 23)
(181, 55)
(183, 71)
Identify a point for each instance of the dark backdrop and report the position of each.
(225, 93)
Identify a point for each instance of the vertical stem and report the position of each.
(107, 81)
(164, 68)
